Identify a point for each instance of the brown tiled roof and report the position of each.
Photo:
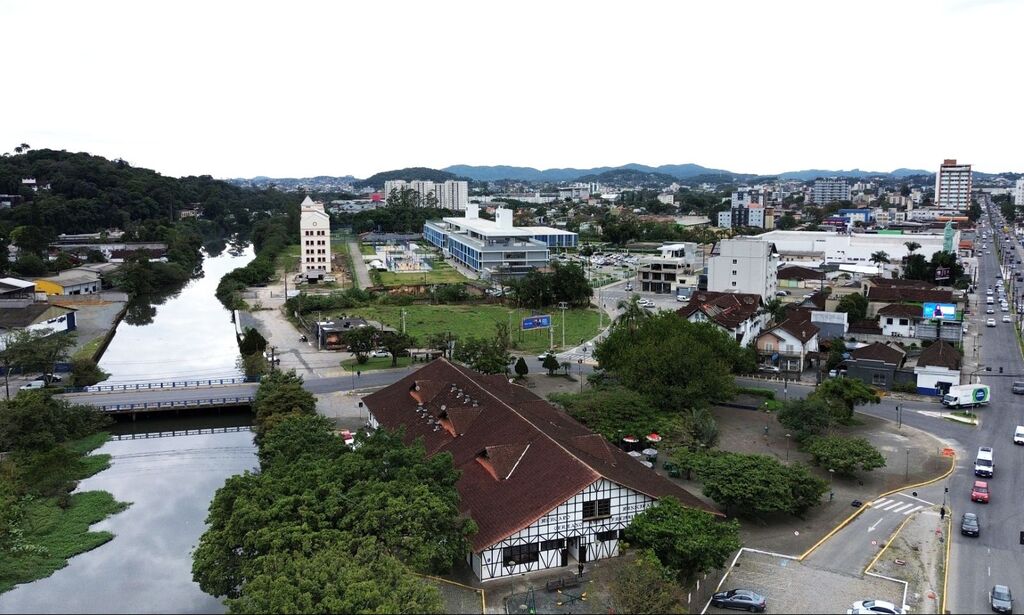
(878, 280)
(817, 299)
(895, 294)
(879, 352)
(519, 456)
(940, 354)
(796, 272)
(901, 310)
(800, 328)
(869, 327)
(726, 309)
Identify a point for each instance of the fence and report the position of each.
(156, 386)
(185, 432)
(171, 405)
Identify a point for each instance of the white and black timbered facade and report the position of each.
(583, 529)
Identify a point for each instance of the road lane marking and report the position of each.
(901, 507)
(888, 506)
(918, 499)
(879, 502)
(914, 509)
(874, 525)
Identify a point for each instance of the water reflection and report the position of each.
(185, 336)
(147, 567)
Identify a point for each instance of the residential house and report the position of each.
(331, 334)
(938, 368)
(790, 345)
(544, 491)
(738, 314)
(899, 319)
(877, 364)
(795, 276)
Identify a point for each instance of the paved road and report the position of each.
(362, 276)
(997, 555)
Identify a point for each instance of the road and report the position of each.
(996, 556)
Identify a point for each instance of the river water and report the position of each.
(190, 337)
(169, 481)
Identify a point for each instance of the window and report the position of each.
(734, 261)
(904, 321)
(596, 509)
(606, 536)
(878, 379)
(551, 545)
(734, 272)
(521, 554)
(888, 321)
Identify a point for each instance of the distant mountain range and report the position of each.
(637, 174)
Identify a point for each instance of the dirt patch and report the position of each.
(917, 556)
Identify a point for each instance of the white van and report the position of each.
(984, 465)
(1018, 435)
(35, 384)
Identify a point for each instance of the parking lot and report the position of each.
(795, 587)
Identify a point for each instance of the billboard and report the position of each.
(940, 311)
(537, 322)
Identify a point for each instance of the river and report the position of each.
(169, 481)
(190, 337)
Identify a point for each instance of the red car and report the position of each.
(980, 492)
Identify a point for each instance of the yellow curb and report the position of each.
(945, 568)
(888, 542)
(952, 466)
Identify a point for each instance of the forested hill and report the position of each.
(412, 173)
(90, 193)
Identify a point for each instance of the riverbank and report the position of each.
(54, 529)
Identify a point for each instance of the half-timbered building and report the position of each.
(544, 491)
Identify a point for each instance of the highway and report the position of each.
(997, 556)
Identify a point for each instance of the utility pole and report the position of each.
(403, 321)
(273, 357)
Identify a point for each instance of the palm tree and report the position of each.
(632, 312)
(912, 246)
(881, 257)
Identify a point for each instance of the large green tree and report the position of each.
(279, 395)
(758, 484)
(675, 363)
(854, 304)
(846, 456)
(612, 411)
(687, 541)
(644, 586)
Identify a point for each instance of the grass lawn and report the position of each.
(54, 534)
(88, 350)
(374, 363)
(367, 250)
(479, 321)
(443, 273)
(289, 258)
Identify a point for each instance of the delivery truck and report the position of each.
(966, 396)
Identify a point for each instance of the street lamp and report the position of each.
(787, 446)
(831, 481)
(906, 476)
(580, 362)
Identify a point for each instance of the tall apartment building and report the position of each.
(745, 265)
(451, 194)
(953, 186)
(1018, 193)
(754, 215)
(314, 238)
(830, 190)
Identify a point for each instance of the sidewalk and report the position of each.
(361, 274)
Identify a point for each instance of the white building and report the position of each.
(495, 247)
(850, 248)
(315, 238)
(953, 186)
(738, 314)
(1018, 193)
(544, 491)
(830, 189)
(673, 272)
(745, 265)
(452, 194)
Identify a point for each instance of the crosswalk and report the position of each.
(896, 506)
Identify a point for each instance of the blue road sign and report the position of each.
(537, 322)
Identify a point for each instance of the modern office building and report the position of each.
(676, 271)
(953, 186)
(315, 238)
(830, 190)
(817, 247)
(745, 265)
(493, 248)
(451, 194)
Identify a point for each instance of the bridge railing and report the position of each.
(157, 386)
(181, 432)
(170, 405)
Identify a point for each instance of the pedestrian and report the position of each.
(942, 513)
(580, 568)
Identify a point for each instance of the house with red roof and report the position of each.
(544, 491)
(738, 314)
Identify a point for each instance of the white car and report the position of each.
(380, 353)
(990, 310)
(1018, 435)
(991, 322)
(1006, 318)
(647, 303)
(875, 606)
(35, 384)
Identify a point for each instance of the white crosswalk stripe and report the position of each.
(900, 508)
(890, 506)
(914, 509)
(879, 502)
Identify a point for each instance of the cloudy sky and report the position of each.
(238, 89)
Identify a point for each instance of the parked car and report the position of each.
(1001, 599)
(741, 599)
(379, 353)
(51, 378)
(1018, 387)
(867, 607)
(969, 525)
(31, 386)
(1006, 318)
(774, 369)
(647, 303)
(979, 492)
(782, 293)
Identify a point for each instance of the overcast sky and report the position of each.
(291, 88)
